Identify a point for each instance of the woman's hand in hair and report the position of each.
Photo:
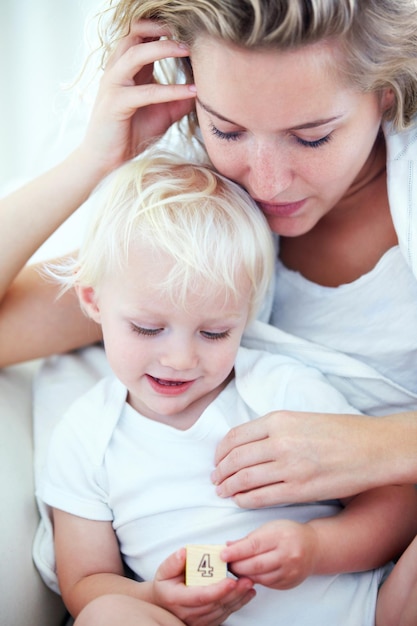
(131, 109)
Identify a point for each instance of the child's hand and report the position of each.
(131, 109)
(279, 554)
(198, 606)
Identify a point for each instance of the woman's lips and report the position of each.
(284, 209)
(169, 387)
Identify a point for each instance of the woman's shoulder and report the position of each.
(402, 187)
(401, 144)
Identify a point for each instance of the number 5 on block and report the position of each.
(204, 566)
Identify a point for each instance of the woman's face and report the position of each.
(285, 127)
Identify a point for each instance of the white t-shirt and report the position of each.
(152, 481)
(373, 319)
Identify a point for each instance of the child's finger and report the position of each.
(172, 567)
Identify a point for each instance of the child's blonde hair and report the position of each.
(211, 228)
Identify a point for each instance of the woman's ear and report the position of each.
(387, 99)
(88, 302)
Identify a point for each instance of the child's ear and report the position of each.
(88, 301)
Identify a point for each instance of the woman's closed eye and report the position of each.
(236, 134)
(314, 143)
(230, 136)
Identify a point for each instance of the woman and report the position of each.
(291, 99)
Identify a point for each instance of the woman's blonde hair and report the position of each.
(211, 229)
(378, 38)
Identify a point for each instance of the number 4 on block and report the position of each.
(204, 566)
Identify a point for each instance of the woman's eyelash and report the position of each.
(226, 136)
(316, 143)
(215, 336)
(148, 332)
(233, 136)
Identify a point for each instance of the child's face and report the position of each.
(173, 362)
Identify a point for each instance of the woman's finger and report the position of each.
(249, 432)
(136, 57)
(140, 31)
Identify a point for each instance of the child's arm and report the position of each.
(89, 565)
(397, 598)
(373, 528)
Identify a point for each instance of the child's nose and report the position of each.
(180, 354)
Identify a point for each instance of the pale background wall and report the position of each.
(42, 46)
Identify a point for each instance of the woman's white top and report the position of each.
(373, 319)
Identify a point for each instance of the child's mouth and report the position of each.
(168, 386)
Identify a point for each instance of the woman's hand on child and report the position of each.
(287, 457)
(131, 109)
(279, 554)
(198, 606)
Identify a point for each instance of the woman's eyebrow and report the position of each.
(207, 108)
(313, 124)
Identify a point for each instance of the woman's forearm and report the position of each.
(32, 213)
(35, 323)
(126, 117)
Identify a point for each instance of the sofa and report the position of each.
(24, 598)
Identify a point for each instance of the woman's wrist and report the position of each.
(87, 170)
(394, 452)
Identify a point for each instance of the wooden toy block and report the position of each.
(203, 565)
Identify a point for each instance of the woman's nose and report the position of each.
(269, 175)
